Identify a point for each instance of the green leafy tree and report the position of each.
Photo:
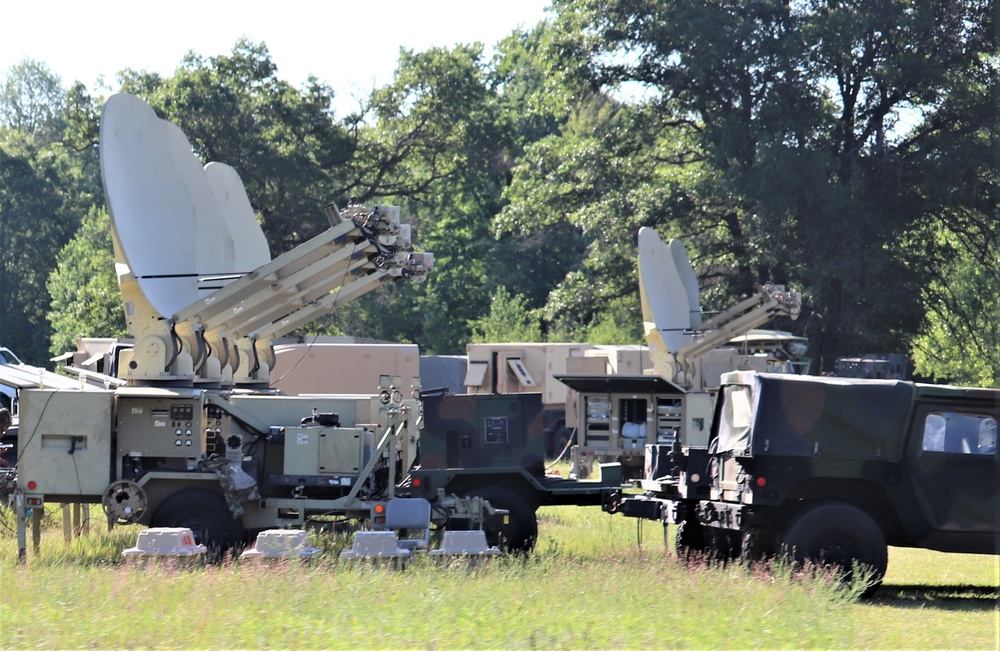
(620, 324)
(957, 245)
(32, 100)
(48, 179)
(509, 320)
(434, 142)
(536, 88)
(33, 226)
(83, 287)
(451, 127)
(783, 156)
(960, 338)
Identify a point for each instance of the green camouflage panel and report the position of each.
(237, 486)
(483, 431)
(850, 419)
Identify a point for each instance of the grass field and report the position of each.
(588, 585)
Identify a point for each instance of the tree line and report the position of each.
(846, 149)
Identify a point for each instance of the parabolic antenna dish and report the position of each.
(667, 304)
(683, 265)
(164, 211)
(249, 244)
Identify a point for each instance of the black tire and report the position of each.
(839, 535)
(755, 546)
(689, 541)
(723, 544)
(521, 530)
(206, 514)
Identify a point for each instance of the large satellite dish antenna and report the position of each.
(176, 222)
(202, 296)
(669, 291)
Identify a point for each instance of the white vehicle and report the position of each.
(8, 395)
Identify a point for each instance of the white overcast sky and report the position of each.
(352, 46)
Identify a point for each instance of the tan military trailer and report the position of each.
(511, 368)
(189, 432)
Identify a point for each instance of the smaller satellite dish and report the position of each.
(249, 244)
(666, 301)
(683, 265)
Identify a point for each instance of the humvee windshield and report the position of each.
(734, 428)
(961, 433)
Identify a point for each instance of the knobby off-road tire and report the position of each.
(689, 541)
(839, 535)
(206, 514)
(723, 544)
(755, 546)
(521, 531)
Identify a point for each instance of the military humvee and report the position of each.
(833, 470)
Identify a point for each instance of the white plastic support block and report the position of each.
(465, 543)
(375, 544)
(165, 542)
(281, 543)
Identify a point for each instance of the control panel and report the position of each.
(218, 437)
(169, 424)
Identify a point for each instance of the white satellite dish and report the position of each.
(251, 250)
(686, 272)
(665, 278)
(194, 267)
(146, 216)
(175, 228)
(209, 236)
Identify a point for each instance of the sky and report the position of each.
(351, 46)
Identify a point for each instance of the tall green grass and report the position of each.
(548, 602)
(588, 585)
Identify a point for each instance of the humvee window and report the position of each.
(736, 418)
(988, 436)
(946, 431)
